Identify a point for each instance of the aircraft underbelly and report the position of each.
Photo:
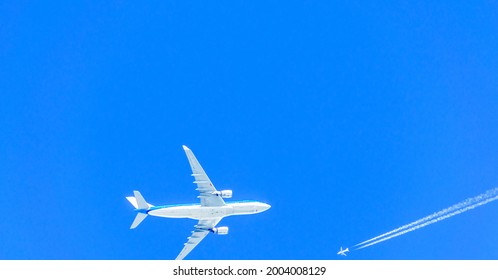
(193, 212)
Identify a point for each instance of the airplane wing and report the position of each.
(204, 185)
(202, 229)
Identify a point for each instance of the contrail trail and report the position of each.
(451, 211)
(431, 221)
(465, 203)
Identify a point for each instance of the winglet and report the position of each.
(185, 148)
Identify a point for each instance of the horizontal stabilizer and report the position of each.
(141, 205)
(138, 219)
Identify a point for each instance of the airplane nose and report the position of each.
(261, 207)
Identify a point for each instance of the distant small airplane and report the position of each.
(343, 252)
(209, 212)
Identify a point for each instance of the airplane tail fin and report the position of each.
(140, 200)
(141, 206)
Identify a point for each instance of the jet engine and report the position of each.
(220, 230)
(224, 193)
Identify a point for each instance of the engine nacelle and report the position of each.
(220, 230)
(224, 193)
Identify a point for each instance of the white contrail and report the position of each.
(425, 219)
(465, 203)
(431, 222)
(456, 209)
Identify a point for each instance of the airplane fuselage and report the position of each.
(198, 212)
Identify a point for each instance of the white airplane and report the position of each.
(209, 212)
(343, 252)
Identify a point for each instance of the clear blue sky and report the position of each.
(349, 118)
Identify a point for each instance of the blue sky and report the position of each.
(349, 118)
